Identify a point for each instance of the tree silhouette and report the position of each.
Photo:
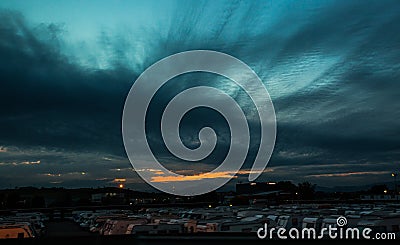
(306, 191)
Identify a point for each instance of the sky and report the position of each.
(332, 69)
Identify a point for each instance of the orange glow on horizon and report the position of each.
(120, 180)
(209, 175)
(192, 177)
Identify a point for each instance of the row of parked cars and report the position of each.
(223, 219)
(22, 225)
(237, 219)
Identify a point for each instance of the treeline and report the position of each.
(31, 197)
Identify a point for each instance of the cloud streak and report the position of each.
(349, 174)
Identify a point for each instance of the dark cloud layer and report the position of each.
(48, 100)
(332, 71)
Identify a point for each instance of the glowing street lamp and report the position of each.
(394, 175)
(121, 186)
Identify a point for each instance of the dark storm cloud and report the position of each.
(48, 100)
(332, 70)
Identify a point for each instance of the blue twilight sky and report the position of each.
(332, 69)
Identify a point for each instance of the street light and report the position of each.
(394, 175)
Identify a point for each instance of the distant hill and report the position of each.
(354, 188)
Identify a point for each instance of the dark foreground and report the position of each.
(68, 233)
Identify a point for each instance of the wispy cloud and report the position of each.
(20, 163)
(52, 175)
(349, 174)
(31, 162)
